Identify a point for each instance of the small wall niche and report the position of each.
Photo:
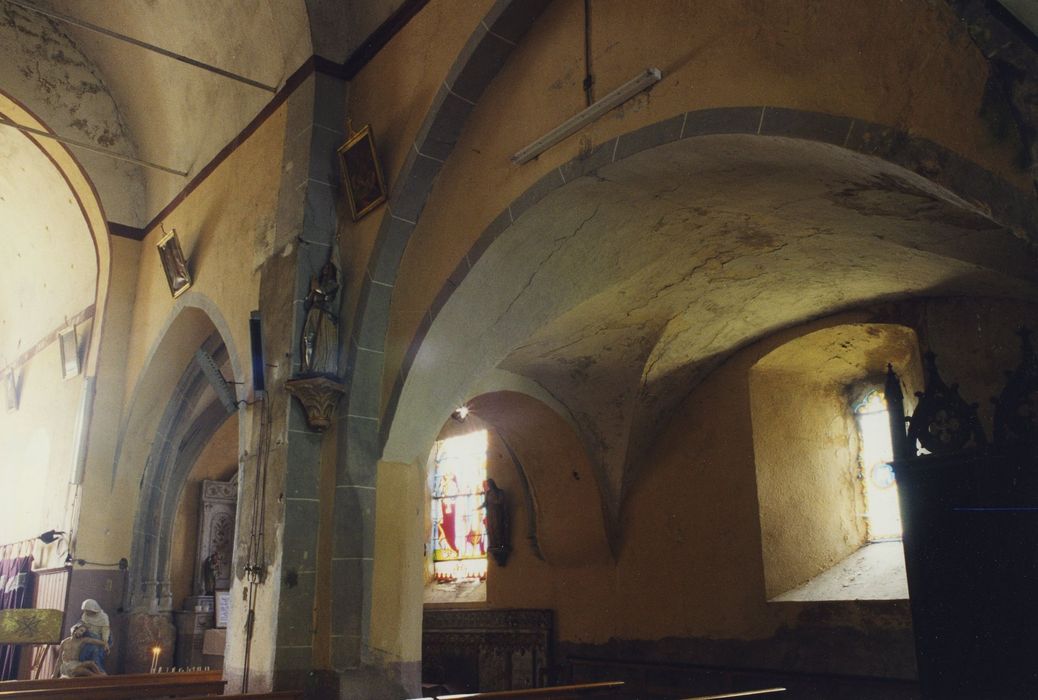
(810, 488)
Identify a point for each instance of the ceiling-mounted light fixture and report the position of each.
(460, 413)
(643, 81)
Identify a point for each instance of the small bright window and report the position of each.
(883, 518)
(458, 537)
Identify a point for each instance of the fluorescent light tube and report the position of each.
(643, 81)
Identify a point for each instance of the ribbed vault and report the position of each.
(620, 291)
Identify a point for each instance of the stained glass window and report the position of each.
(459, 536)
(883, 517)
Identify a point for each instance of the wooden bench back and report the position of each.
(556, 691)
(276, 695)
(99, 691)
(124, 679)
(740, 694)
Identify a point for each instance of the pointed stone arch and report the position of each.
(189, 418)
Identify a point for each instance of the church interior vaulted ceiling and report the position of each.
(618, 292)
(307, 380)
(110, 91)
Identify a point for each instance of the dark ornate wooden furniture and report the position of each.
(969, 508)
(471, 650)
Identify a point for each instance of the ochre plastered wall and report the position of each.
(689, 564)
(219, 225)
(37, 445)
(806, 476)
(780, 54)
(806, 443)
(397, 577)
(535, 449)
(393, 93)
(105, 413)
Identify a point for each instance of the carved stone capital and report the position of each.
(319, 396)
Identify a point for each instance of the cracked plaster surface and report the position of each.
(43, 68)
(619, 292)
(181, 116)
(139, 103)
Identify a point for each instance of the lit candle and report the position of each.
(155, 651)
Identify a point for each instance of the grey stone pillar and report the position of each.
(309, 192)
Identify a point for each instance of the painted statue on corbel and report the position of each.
(318, 386)
(319, 341)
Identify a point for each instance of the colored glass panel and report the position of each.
(459, 538)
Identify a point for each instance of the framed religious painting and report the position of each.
(68, 344)
(174, 264)
(361, 174)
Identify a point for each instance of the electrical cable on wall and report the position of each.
(589, 79)
(255, 562)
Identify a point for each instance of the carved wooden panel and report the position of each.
(970, 514)
(484, 650)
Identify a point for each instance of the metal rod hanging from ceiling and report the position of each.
(4, 121)
(142, 44)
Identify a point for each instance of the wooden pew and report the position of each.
(276, 695)
(583, 690)
(118, 691)
(151, 679)
(187, 685)
(740, 694)
(555, 692)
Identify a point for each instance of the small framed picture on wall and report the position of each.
(174, 264)
(361, 174)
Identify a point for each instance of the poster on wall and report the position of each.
(223, 608)
(361, 175)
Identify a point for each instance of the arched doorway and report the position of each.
(196, 442)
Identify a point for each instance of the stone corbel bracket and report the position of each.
(319, 396)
